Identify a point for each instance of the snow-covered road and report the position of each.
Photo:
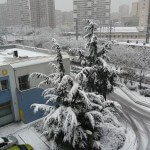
(137, 116)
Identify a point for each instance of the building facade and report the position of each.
(35, 13)
(102, 11)
(143, 12)
(91, 9)
(31, 13)
(19, 12)
(122, 33)
(42, 13)
(124, 10)
(135, 9)
(4, 22)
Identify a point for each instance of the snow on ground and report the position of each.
(130, 143)
(130, 97)
(25, 134)
(140, 97)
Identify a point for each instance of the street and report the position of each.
(137, 116)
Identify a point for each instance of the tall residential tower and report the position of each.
(98, 10)
(143, 12)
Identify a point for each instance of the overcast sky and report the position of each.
(66, 5)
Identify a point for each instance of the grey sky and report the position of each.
(66, 5)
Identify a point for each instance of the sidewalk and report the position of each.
(26, 134)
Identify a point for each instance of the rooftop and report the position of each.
(121, 29)
(24, 54)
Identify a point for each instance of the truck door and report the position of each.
(6, 115)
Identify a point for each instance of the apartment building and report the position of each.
(4, 15)
(35, 13)
(134, 9)
(91, 9)
(143, 12)
(102, 11)
(18, 12)
(42, 13)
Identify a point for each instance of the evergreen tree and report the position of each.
(58, 71)
(99, 76)
(59, 58)
(80, 120)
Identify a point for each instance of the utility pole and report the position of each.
(77, 32)
(110, 30)
(148, 26)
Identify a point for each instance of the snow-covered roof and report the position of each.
(121, 29)
(36, 60)
(6, 55)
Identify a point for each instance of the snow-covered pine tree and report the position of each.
(80, 120)
(97, 74)
(58, 71)
(59, 58)
(91, 42)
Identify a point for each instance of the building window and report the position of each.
(3, 85)
(24, 82)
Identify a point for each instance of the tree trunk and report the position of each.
(140, 82)
(104, 95)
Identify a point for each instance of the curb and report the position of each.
(131, 96)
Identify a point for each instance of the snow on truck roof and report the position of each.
(26, 55)
(7, 57)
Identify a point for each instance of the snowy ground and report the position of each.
(141, 98)
(130, 143)
(26, 134)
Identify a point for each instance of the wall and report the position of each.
(26, 99)
(41, 68)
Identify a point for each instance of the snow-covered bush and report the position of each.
(131, 87)
(145, 92)
(80, 120)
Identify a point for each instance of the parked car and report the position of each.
(21, 147)
(6, 142)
